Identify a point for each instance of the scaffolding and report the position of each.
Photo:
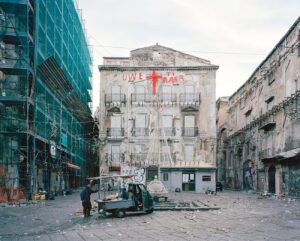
(45, 119)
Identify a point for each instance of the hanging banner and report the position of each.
(53, 149)
(139, 174)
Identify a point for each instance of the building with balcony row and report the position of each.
(45, 86)
(258, 127)
(157, 109)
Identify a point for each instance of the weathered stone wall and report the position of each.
(263, 116)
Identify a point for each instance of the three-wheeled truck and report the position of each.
(135, 198)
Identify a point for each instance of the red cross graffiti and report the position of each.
(154, 77)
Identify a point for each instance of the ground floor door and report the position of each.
(271, 179)
(151, 172)
(188, 181)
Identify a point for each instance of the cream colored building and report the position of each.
(259, 125)
(157, 108)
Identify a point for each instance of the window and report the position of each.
(140, 125)
(167, 93)
(185, 178)
(189, 125)
(271, 76)
(116, 126)
(206, 178)
(165, 177)
(189, 89)
(248, 116)
(270, 103)
(115, 122)
(189, 94)
(115, 155)
(116, 93)
(140, 93)
(167, 125)
(189, 153)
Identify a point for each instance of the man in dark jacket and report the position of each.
(85, 196)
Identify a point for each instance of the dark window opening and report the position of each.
(206, 178)
(165, 177)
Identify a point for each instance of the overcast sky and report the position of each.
(234, 34)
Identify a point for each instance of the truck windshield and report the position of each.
(142, 187)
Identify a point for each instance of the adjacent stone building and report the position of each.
(157, 113)
(259, 125)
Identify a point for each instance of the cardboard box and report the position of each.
(43, 196)
(35, 197)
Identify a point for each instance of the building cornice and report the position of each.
(256, 122)
(139, 68)
(291, 29)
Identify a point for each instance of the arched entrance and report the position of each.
(248, 174)
(271, 178)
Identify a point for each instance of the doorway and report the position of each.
(271, 179)
(188, 181)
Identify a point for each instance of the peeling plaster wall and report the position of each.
(129, 73)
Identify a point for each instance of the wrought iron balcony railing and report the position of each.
(138, 157)
(115, 132)
(190, 131)
(115, 98)
(167, 131)
(188, 99)
(114, 159)
(138, 131)
(165, 98)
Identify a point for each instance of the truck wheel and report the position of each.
(120, 213)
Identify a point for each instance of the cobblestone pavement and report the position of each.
(242, 216)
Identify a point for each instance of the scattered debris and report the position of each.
(78, 213)
(187, 206)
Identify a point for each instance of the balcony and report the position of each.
(140, 99)
(190, 132)
(140, 132)
(167, 132)
(137, 158)
(167, 98)
(115, 99)
(146, 98)
(268, 124)
(189, 99)
(115, 133)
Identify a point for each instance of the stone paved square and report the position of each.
(242, 216)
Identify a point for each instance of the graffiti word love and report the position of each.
(167, 77)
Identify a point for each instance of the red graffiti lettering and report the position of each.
(129, 77)
(140, 75)
(180, 78)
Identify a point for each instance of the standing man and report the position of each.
(85, 196)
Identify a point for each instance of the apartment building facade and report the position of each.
(157, 113)
(259, 125)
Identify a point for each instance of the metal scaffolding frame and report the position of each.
(43, 125)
